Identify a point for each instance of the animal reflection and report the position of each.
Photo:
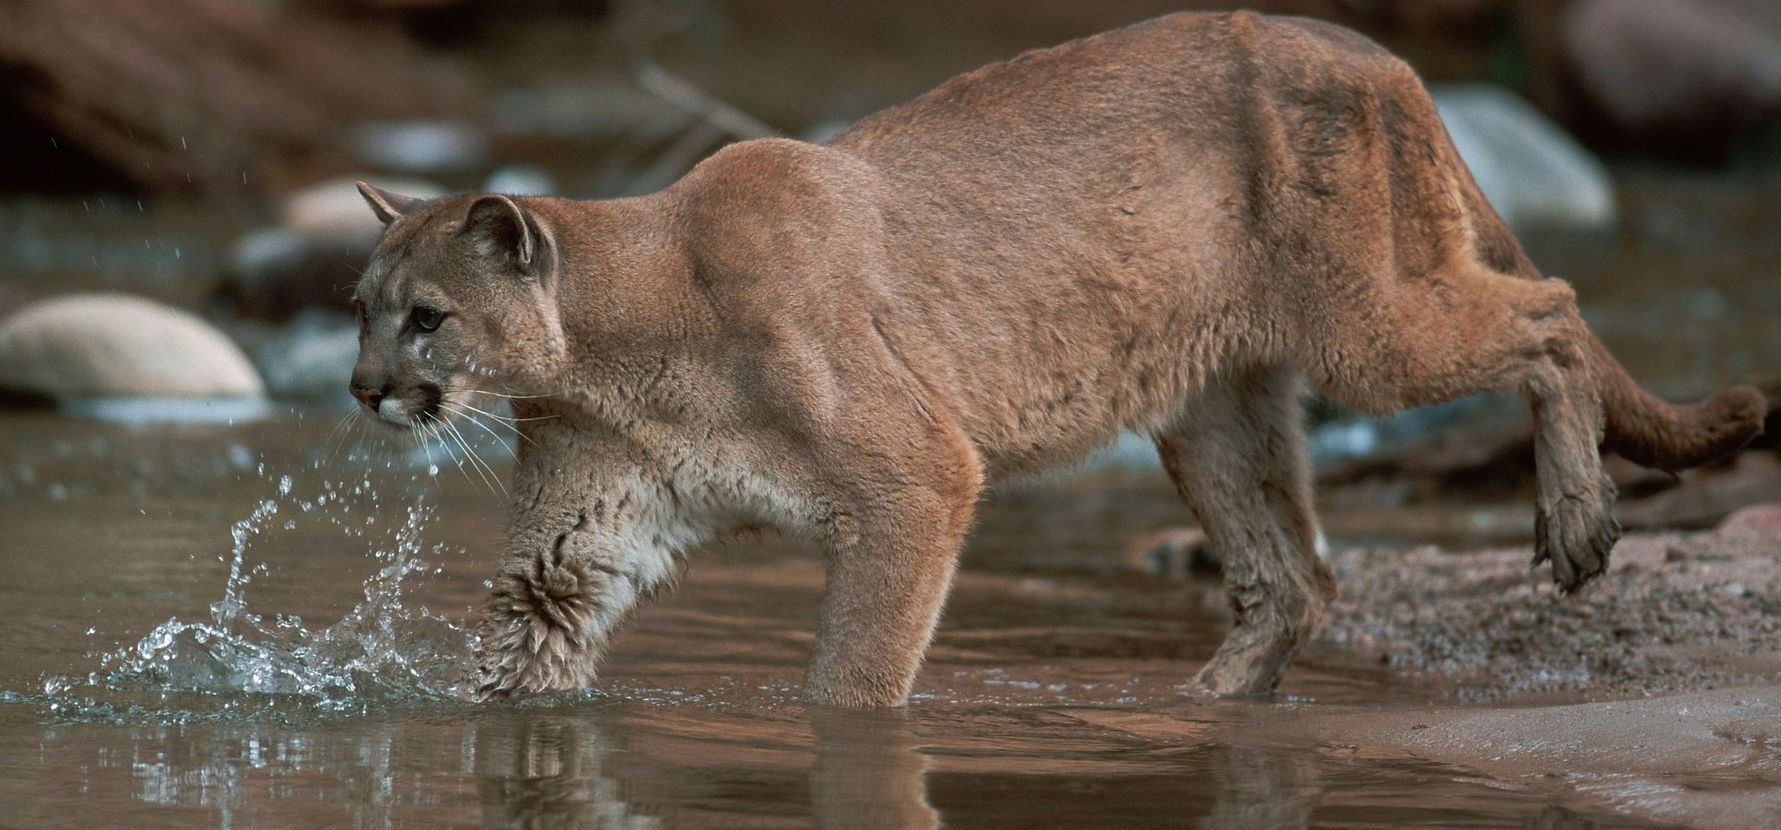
(613, 769)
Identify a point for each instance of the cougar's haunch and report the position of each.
(1168, 228)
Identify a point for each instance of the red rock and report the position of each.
(1755, 519)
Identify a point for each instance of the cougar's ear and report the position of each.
(499, 227)
(388, 206)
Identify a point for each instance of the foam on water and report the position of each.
(240, 664)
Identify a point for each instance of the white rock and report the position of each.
(1529, 168)
(334, 207)
(420, 146)
(115, 345)
(521, 180)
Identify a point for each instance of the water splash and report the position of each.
(239, 664)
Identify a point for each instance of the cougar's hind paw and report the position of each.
(1576, 535)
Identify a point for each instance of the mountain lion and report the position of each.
(1166, 228)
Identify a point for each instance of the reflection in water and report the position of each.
(550, 771)
(568, 768)
(637, 765)
(868, 772)
(1263, 788)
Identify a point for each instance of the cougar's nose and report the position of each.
(369, 392)
(367, 396)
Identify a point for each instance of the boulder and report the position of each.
(519, 180)
(313, 257)
(1684, 77)
(335, 208)
(420, 146)
(1530, 169)
(114, 345)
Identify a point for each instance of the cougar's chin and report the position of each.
(426, 404)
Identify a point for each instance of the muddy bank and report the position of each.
(1674, 612)
(1683, 628)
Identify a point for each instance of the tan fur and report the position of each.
(1163, 228)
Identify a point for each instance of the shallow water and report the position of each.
(262, 625)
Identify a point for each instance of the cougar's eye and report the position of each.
(427, 319)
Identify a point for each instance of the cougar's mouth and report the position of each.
(431, 405)
(424, 405)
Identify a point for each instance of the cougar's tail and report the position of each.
(1654, 433)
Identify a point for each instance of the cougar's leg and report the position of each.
(893, 543)
(581, 551)
(1481, 332)
(1237, 457)
(1574, 525)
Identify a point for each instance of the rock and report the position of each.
(114, 345)
(1757, 519)
(1685, 77)
(418, 146)
(1532, 172)
(335, 208)
(1172, 553)
(518, 180)
(275, 272)
(314, 257)
(312, 358)
(1708, 495)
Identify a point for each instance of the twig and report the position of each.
(712, 111)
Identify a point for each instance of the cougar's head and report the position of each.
(458, 299)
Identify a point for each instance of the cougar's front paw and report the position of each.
(505, 658)
(535, 637)
(1272, 620)
(1238, 673)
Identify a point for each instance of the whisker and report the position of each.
(433, 424)
(454, 436)
(493, 475)
(501, 418)
(358, 450)
(420, 440)
(340, 425)
(466, 409)
(338, 435)
(352, 423)
(506, 395)
(470, 414)
(486, 428)
(476, 459)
